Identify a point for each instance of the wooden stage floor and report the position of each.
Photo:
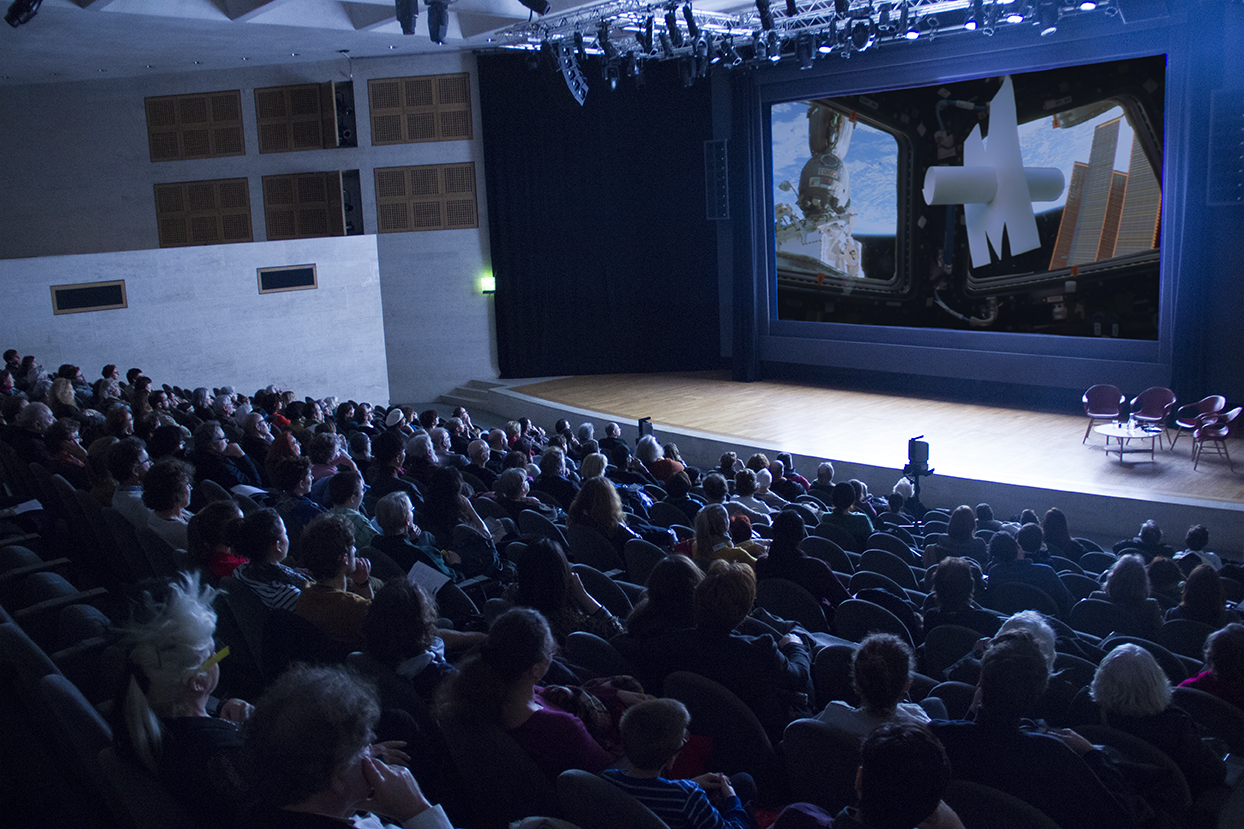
(1008, 446)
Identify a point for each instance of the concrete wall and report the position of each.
(78, 180)
(195, 317)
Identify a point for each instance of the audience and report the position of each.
(1008, 563)
(166, 492)
(547, 584)
(1127, 588)
(846, 516)
(904, 771)
(954, 585)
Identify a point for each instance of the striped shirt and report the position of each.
(682, 804)
(276, 585)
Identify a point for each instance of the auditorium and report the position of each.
(917, 242)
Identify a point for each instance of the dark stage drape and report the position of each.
(604, 260)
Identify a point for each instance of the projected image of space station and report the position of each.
(1023, 203)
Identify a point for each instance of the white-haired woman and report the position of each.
(653, 458)
(1135, 696)
(174, 667)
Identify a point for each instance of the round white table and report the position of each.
(1124, 433)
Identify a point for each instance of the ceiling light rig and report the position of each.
(801, 32)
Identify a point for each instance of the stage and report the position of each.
(1011, 458)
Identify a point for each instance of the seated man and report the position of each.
(1148, 542)
(1008, 564)
(653, 733)
(216, 459)
(404, 542)
(345, 496)
(310, 746)
(1058, 771)
(771, 676)
(553, 478)
(881, 673)
(128, 464)
(477, 454)
(902, 776)
(338, 600)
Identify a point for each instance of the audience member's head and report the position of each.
(953, 585)
(962, 524)
(128, 461)
(307, 738)
(904, 771)
(260, 537)
(1196, 538)
(881, 672)
(825, 473)
(167, 485)
(518, 651)
(327, 546)
(597, 505)
(745, 483)
(1055, 529)
(400, 624)
(1130, 682)
(345, 489)
(1030, 539)
(1224, 655)
(1128, 581)
(711, 526)
(669, 597)
(725, 596)
(1150, 532)
(653, 732)
(511, 484)
(842, 497)
(715, 488)
(394, 513)
(292, 475)
(1002, 547)
(1203, 595)
(1034, 623)
(1013, 676)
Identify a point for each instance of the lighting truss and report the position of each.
(621, 20)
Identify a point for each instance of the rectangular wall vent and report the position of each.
(287, 278)
(1226, 148)
(294, 118)
(303, 205)
(88, 296)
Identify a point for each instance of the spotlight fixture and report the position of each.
(22, 11)
(827, 43)
(909, 24)
(842, 7)
(629, 65)
(775, 47)
(714, 50)
(760, 52)
(406, 11)
(1047, 18)
(645, 37)
(1015, 15)
(883, 20)
(438, 20)
(671, 26)
(692, 28)
(602, 40)
(862, 35)
(612, 70)
(732, 53)
(791, 8)
(976, 14)
(1088, 5)
(804, 53)
(540, 7)
(766, 15)
(667, 48)
(701, 57)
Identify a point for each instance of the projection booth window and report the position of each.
(835, 196)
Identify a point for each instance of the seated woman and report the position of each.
(166, 492)
(678, 494)
(745, 492)
(167, 727)
(1224, 660)
(1135, 696)
(667, 604)
(598, 506)
(547, 584)
(712, 540)
(1203, 599)
(261, 538)
(959, 540)
(501, 685)
(329, 456)
(881, 672)
(652, 456)
(208, 540)
(510, 491)
(218, 459)
(400, 633)
(954, 585)
(1058, 537)
(787, 561)
(845, 515)
(1127, 587)
(445, 507)
(739, 529)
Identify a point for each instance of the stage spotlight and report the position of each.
(22, 10)
(975, 15)
(804, 53)
(775, 47)
(629, 64)
(645, 37)
(766, 15)
(1015, 15)
(612, 70)
(602, 40)
(438, 20)
(909, 24)
(791, 8)
(883, 20)
(714, 50)
(1088, 5)
(667, 48)
(540, 7)
(1047, 19)
(732, 53)
(406, 10)
(701, 57)
(580, 51)
(692, 28)
(862, 35)
(671, 26)
(826, 44)
(760, 52)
